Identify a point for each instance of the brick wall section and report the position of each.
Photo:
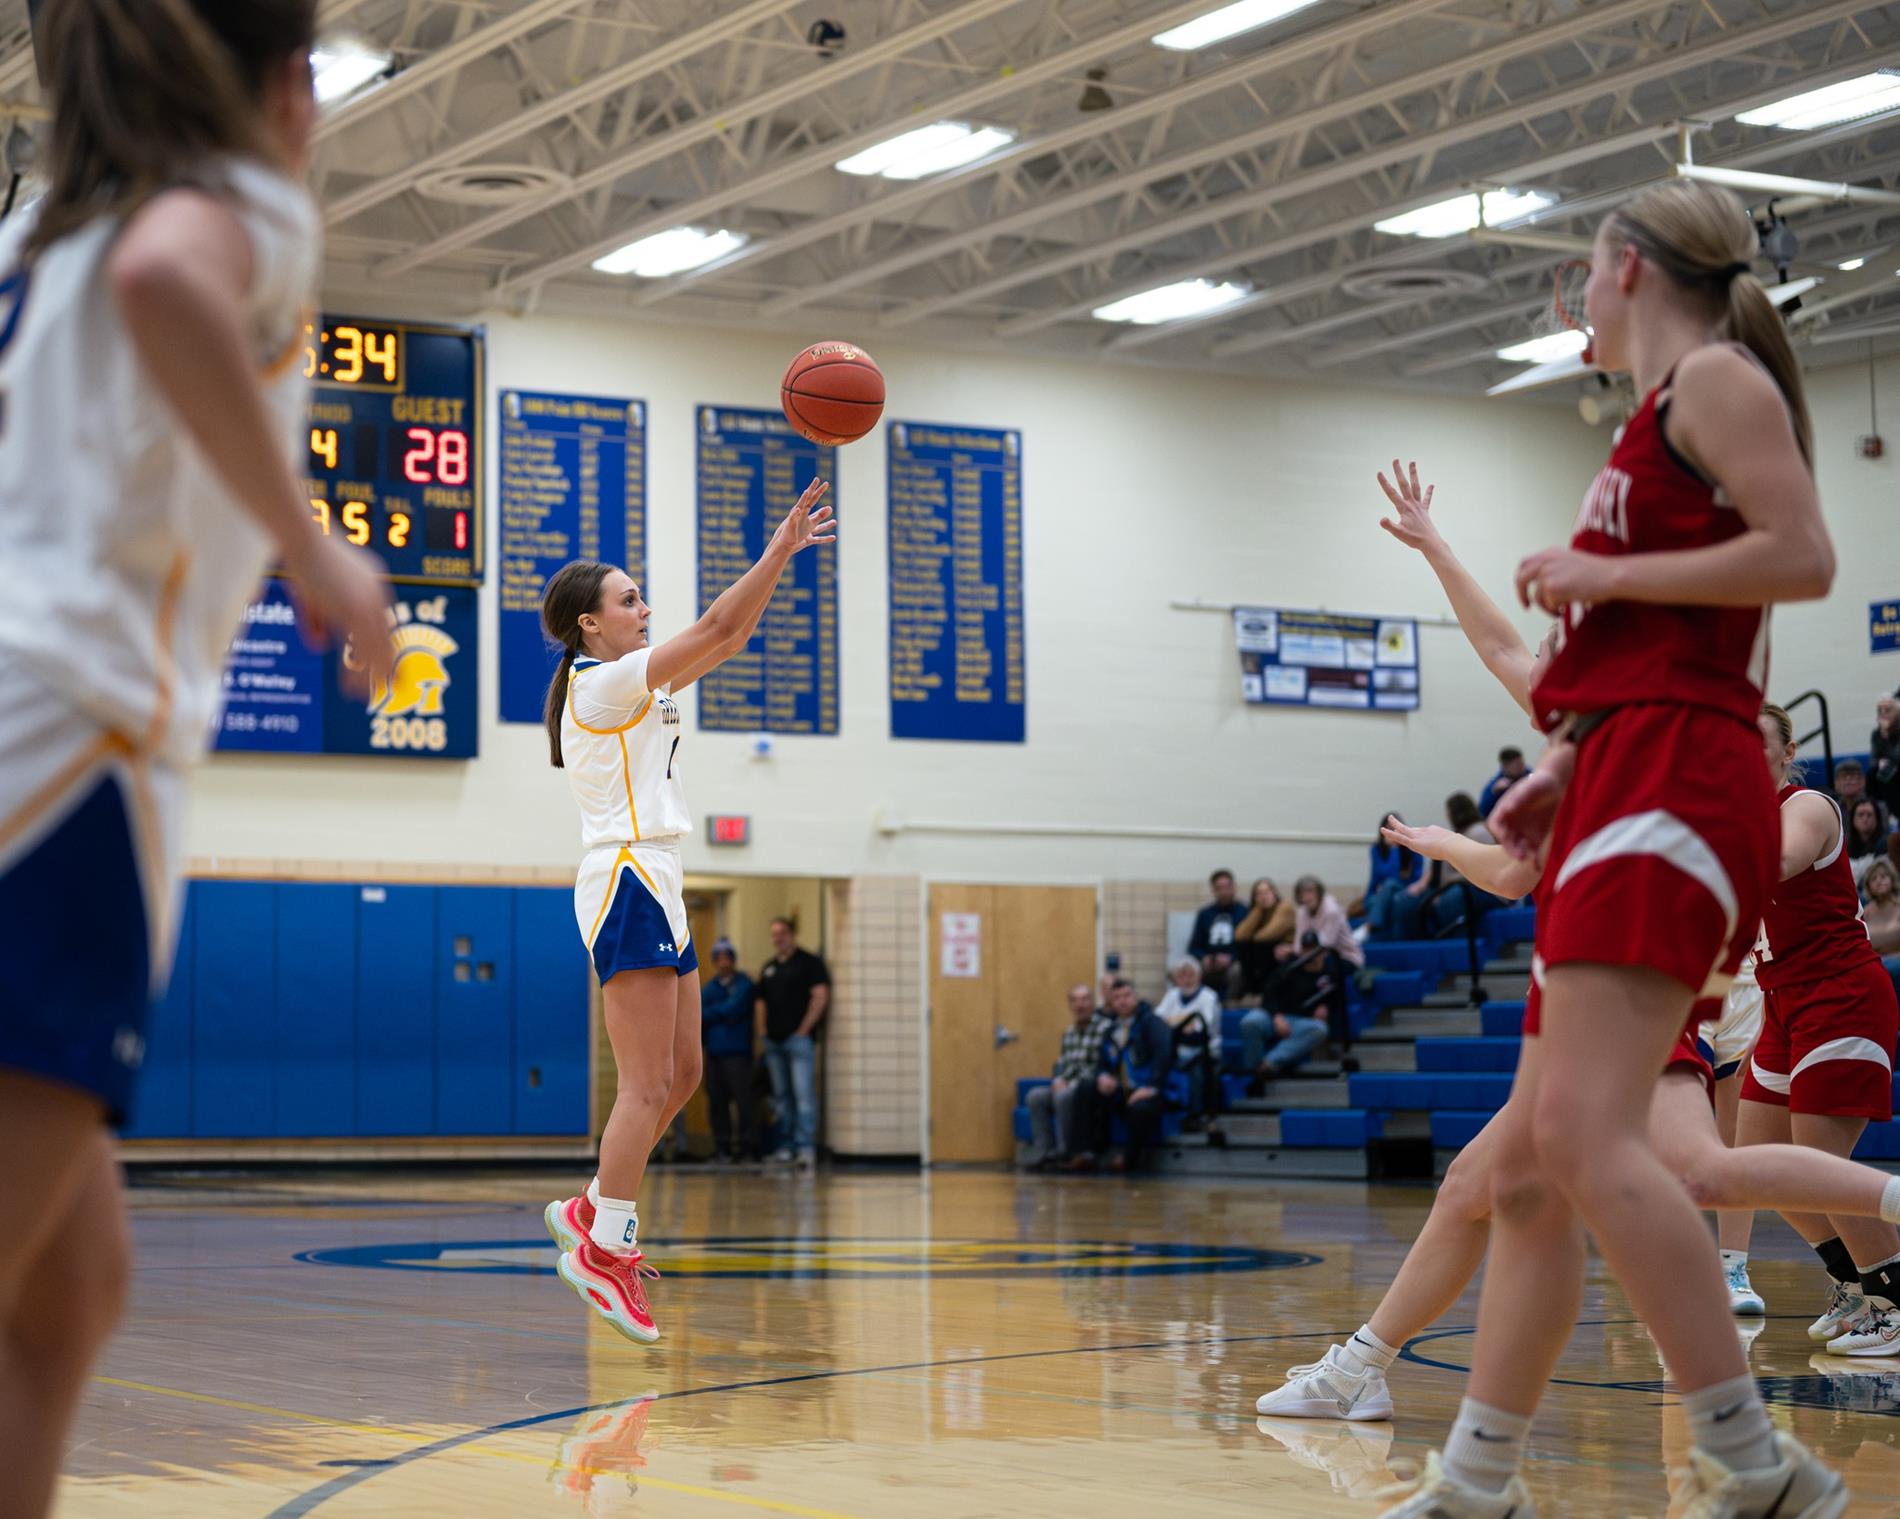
(873, 1072)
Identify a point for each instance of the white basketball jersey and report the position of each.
(620, 748)
(125, 566)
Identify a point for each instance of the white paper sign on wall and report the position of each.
(963, 945)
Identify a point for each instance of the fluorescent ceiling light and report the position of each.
(1228, 21)
(924, 151)
(339, 68)
(1460, 214)
(1850, 265)
(1172, 303)
(671, 252)
(1849, 100)
(1555, 345)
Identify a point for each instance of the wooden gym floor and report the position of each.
(865, 1344)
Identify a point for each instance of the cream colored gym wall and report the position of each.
(1142, 487)
(1823, 645)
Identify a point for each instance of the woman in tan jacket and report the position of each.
(1269, 923)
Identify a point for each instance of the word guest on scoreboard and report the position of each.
(395, 456)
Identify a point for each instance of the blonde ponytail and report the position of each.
(1757, 326)
(1700, 235)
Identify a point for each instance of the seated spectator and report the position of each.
(1511, 770)
(725, 1029)
(1191, 1011)
(1213, 939)
(1268, 925)
(1274, 1043)
(1317, 911)
(1881, 885)
(1850, 783)
(1133, 1079)
(1395, 891)
(1866, 835)
(1447, 902)
(1053, 1106)
(1884, 783)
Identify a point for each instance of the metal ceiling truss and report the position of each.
(1264, 160)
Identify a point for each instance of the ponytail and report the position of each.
(1700, 235)
(572, 592)
(147, 92)
(556, 704)
(1757, 326)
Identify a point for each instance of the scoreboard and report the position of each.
(395, 448)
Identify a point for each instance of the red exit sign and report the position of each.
(729, 830)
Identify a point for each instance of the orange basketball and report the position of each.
(833, 393)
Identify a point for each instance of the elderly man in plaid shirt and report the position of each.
(1080, 1058)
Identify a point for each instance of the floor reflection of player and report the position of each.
(605, 1442)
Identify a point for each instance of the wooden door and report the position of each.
(1032, 944)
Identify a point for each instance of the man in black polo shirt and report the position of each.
(794, 991)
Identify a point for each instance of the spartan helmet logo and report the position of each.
(420, 676)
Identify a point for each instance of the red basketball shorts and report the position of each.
(1826, 1046)
(1664, 850)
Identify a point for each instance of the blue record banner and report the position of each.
(573, 486)
(957, 666)
(281, 696)
(752, 469)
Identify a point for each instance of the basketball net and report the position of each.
(1567, 282)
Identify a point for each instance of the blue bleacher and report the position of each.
(1879, 1141)
(1502, 1020)
(1424, 1091)
(1460, 1082)
(1453, 1131)
(1338, 1129)
(1508, 925)
(1486, 1054)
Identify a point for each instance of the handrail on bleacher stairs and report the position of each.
(1474, 967)
(1825, 733)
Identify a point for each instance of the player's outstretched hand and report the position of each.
(808, 522)
(1412, 523)
(347, 602)
(1430, 841)
(1522, 818)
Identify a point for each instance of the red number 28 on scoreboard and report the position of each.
(436, 456)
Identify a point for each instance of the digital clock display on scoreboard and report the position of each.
(395, 448)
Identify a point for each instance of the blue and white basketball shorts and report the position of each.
(631, 908)
(89, 838)
(1728, 1042)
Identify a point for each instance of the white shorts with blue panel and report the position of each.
(630, 905)
(90, 836)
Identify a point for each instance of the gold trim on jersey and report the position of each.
(602, 731)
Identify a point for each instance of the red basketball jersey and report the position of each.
(1813, 928)
(1648, 500)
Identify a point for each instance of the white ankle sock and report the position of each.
(1740, 1257)
(1890, 1200)
(1729, 1421)
(616, 1225)
(1486, 1446)
(593, 1191)
(1365, 1351)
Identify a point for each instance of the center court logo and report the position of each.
(748, 1258)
